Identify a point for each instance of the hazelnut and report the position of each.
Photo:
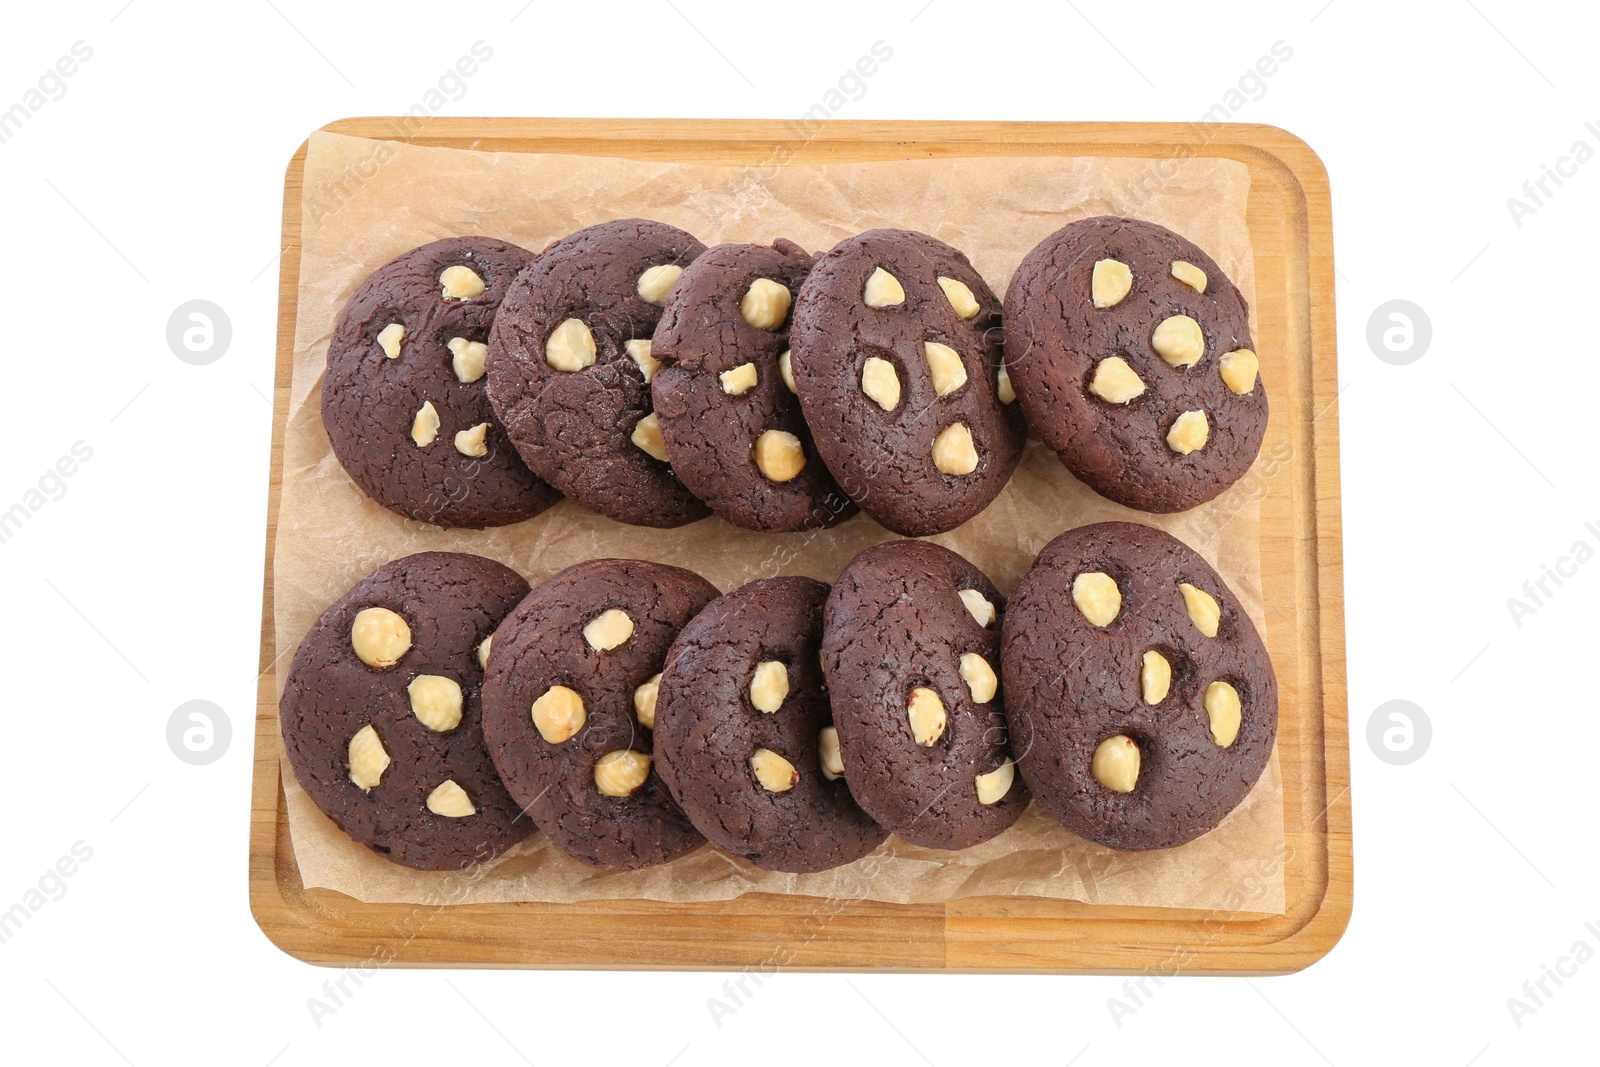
(1097, 596)
(461, 283)
(880, 382)
(765, 304)
(1239, 369)
(1116, 763)
(953, 450)
(1204, 611)
(467, 358)
(779, 455)
(882, 290)
(647, 436)
(1111, 282)
(978, 606)
(1189, 275)
(979, 676)
(1178, 340)
(380, 637)
(368, 759)
(1224, 712)
(993, 787)
(425, 426)
(483, 651)
(1003, 387)
(657, 282)
(925, 712)
(639, 352)
(1155, 677)
(945, 367)
(769, 686)
(473, 442)
(829, 754)
(960, 297)
(786, 370)
(389, 339)
(644, 701)
(559, 714)
(740, 380)
(570, 346)
(608, 629)
(776, 774)
(1189, 432)
(621, 773)
(451, 801)
(435, 701)
(1115, 382)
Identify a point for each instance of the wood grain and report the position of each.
(1290, 226)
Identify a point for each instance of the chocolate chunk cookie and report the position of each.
(1130, 352)
(568, 360)
(568, 701)
(1142, 704)
(897, 360)
(404, 400)
(381, 713)
(744, 735)
(910, 645)
(725, 395)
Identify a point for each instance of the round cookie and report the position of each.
(739, 732)
(571, 667)
(382, 718)
(1131, 751)
(403, 397)
(729, 417)
(567, 363)
(897, 359)
(911, 648)
(1153, 400)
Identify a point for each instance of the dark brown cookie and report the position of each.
(404, 401)
(381, 713)
(911, 647)
(1142, 712)
(1153, 401)
(565, 371)
(572, 666)
(744, 733)
(897, 359)
(725, 397)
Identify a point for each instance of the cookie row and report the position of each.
(653, 380)
(632, 713)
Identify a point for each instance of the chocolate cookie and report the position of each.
(910, 642)
(1142, 704)
(568, 361)
(1130, 352)
(725, 395)
(403, 397)
(571, 688)
(744, 734)
(897, 359)
(381, 714)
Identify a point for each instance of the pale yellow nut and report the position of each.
(979, 676)
(925, 713)
(380, 637)
(425, 425)
(558, 714)
(435, 701)
(1204, 611)
(639, 352)
(1097, 596)
(779, 455)
(953, 450)
(1112, 281)
(786, 370)
(740, 380)
(368, 758)
(880, 382)
(882, 290)
(1189, 275)
(1224, 711)
(960, 297)
(1115, 382)
(657, 282)
(644, 701)
(1189, 433)
(570, 346)
(1155, 677)
(450, 800)
(621, 773)
(993, 787)
(473, 441)
(1003, 387)
(483, 651)
(389, 339)
(978, 606)
(467, 358)
(829, 754)
(944, 367)
(1116, 763)
(608, 629)
(647, 436)
(1239, 369)
(765, 305)
(461, 283)
(1178, 340)
(769, 686)
(776, 774)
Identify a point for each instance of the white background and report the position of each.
(157, 178)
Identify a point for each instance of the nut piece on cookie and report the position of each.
(1115, 382)
(978, 606)
(979, 676)
(368, 758)
(1003, 388)
(1189, 433)
(467, 358)
(882, 290)
(925, 712)
(483, 652)
(389, 339)
(647, 436)
(765, 305)
(953, 450)
(639, 352)
(644, 701)
(960, 297)
(776, 774)
(657, 282)
(1224, 712)
(380, 637)
(1239, 369)
(740, 380)
(461, 283)
(779, 455)
(1189, 275)
(945, 367)
(473, 441)
(621, 773)
(435, 701)
(880, 382)
(1116, 763)
(450, 800)
(1179, 340)
(559, 714)
(993, 786)
(786, 370)
(1204, 611)
(1155, 677)
(608, 629)
(1111, 282)
(769, 686)
(425, 426)
(570, 346)
(1097, 596)
(829, 754)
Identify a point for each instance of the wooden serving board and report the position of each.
(1302, 584)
